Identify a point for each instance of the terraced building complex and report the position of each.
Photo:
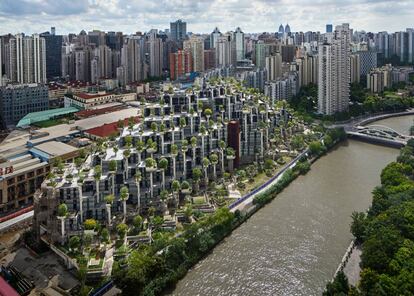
(186, 137)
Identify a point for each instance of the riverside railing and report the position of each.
(268, 182)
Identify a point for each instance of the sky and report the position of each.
(202, 16)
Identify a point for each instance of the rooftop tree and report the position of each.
(124, 195)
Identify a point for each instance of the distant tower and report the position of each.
(239, 39)
(53, 31)
(214, 37)
(281, 30)
(329, 28)
(287, 29)
(178, 30)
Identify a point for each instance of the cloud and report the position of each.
(15, 8)
(202, 15)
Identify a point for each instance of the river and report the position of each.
(294, 244)
(401, 124)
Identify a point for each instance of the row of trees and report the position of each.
(316, 149)
(386, 234)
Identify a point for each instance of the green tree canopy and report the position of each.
(90, 224)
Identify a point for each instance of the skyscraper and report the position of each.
(178, 30)
(1, 62)
(410, 33)
(382, 43)
(281, 30)
(96, 37)
(131, 61)
(355, 66)
(82, 64)
(27, 59)
(288, 53)
(274, 66)
(101, 64)
(180, 64)
(239, 39)
(402, 46)
(307, 68)
(155, 47)
(214, 37)
(334, 72)
(262, 50)
(225, 51)
(114, 40)
(287, 29)
(195, 45)
(329, 28)
(53, 54)
(209, 58)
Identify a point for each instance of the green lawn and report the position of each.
(48, 123)
(258, 180)
(97, 266)
(54, 121)
(199, 200)
(262, 178)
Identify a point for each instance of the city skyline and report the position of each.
(202, 16)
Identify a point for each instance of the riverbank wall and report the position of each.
(345, 258)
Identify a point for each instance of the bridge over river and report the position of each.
(360, 128)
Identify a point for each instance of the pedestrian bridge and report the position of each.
(379, 134)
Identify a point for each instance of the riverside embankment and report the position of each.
(293, 245)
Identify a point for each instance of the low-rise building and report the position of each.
(23, 170)
(93, 100)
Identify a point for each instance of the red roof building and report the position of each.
(6, 289)
(108, 129)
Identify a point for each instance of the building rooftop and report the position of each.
(88, 96)
(21, 162)
(67, 129)
(78, 83)
(54, 148)
(108, 129)
(54, 86)
(98, 111)
(45, 115)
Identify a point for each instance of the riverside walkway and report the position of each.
(247, 199)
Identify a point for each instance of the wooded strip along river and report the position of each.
(294, 244)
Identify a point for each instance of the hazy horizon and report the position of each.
(202, 16)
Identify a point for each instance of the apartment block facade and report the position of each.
(334, 73)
